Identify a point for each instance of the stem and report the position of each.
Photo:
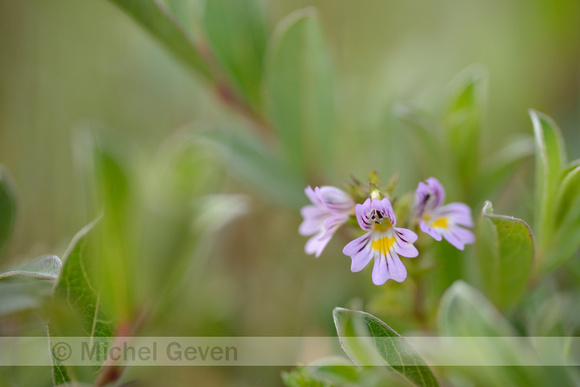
(419, 306)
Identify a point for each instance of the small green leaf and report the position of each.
(7, 206)
(77, 308)
(365, 339)
(462, 122)
(300, 85)
(242, 57)
(550, 161)
(506, 255)
(47, 267)
(154, 17)
(566, 238)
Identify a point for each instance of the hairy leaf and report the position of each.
(365, 339)
(506, 255)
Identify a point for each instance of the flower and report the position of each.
(440, 220)
(330, 208)
(383, 241)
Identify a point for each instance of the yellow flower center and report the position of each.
(441, 222)
(384, 244)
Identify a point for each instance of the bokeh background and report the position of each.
(65, 63)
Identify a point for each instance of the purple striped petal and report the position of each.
(332, 223)
(404, 243)
(458, 236)
(335, 200)
(360, 252)
(458, 213)
(431, 231)
(362, 212)
(316, 244)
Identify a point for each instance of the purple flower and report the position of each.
(330, 208)
(384, 242)
(440, 220)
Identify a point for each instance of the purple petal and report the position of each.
(397, 270)
(385, 206)
(313, 219)
(404, 239)
(316, 244)
(421, 198)
(437, 191)
(360, 252)
(458, 213)
(313, 196)
(388, 267)
(335, 200)
(458, 236)
(362, 212)
(431, 231)
(332, 223)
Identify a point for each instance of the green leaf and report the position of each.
(498, 168)
(47, 267)
(566, 238)
(300, 85)
(109, 162)
(550, 161)
(464, 311)
(242, 57)
(462, 122)
(155, 18)
(506, 255)
(7, 206)
(255, 166)
(365, 339)
(77, 308)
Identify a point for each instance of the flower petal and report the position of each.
(404, 243)
(437, 191)
(332, 223)
(459, 213)
(335, 200)
(360, 252)
(388, 267)
(362, 212)
(436, 234)
(458, 236)
(313, 219)
(385, 206)
(316, 244)
(313, 196)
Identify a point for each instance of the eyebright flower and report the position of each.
(440, 220)
(330, 208)
(383, 241)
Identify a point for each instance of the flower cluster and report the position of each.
(383, 241)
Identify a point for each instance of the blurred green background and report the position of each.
(66, 63)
